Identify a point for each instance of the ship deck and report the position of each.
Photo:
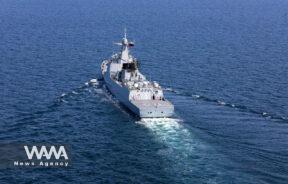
(152, 103)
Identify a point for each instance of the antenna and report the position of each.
(125, 33)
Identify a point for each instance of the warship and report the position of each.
(131, 88)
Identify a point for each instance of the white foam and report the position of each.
(168, 89)
(196, 96)
(180, 143)
(64, 101)
(170, 132)
(74, 92)
(99, 91)
(221, 102)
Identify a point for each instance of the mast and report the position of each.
(125, 48)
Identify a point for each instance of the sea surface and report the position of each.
(222, 63)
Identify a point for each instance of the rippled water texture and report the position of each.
(223, 64)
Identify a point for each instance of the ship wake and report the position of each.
(239, 107)
(181, 149)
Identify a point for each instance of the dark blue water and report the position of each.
(223, 63)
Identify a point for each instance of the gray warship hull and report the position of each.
(142, 108)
